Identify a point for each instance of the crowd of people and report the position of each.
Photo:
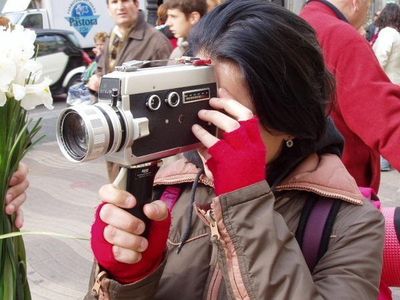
(308, 110)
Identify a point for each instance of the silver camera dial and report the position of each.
(154, 102)
(173, 99)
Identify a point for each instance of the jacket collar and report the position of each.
(138, 31)
(180, 171)
(324, 175)
(335, 11)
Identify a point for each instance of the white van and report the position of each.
(83, 17)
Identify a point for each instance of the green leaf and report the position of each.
(15, 139)
(55, 234)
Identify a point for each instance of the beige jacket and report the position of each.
(251, 252)
(387, 51)
(143, 43)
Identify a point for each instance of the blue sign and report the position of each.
(82, 18)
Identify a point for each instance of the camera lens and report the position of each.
(86, 132)
(75, 135)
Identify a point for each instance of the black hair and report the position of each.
(280, 58)
(389, 17)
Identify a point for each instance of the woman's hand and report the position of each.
(16, 194)
(239, 158)
(116, 240)
(94, 83)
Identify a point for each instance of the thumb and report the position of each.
(156, 210)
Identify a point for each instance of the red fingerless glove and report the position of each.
(238, 159)
(128, 273)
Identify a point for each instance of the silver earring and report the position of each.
(289, 143)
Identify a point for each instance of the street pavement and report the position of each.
(61, 199)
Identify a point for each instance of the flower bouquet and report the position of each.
(21, 89)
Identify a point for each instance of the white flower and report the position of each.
(20, 75)
(23, 43)
(8, 71)
(36, 94)
(18, 91)
(31, 70)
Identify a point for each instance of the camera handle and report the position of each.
(138, 180)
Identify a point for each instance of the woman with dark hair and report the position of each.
(387, 49)
(275, 155)
(387, 44)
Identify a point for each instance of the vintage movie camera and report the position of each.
(142, 116)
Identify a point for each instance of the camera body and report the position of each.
(143, 114)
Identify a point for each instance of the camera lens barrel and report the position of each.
(86, 132)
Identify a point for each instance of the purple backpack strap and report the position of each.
(315, 227)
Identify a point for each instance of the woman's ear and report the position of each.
(355, 5)
(194, 17)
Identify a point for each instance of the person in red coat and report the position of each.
(367, 110)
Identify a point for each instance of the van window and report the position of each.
(13, 16)
(50, 44)
(74, 39)
(33, 21)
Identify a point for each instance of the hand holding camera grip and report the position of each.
(123, 272)
(156, 232)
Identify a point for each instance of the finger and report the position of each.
(16, 190)
(121, 219)
(231, 106)
(19, 175)
(110, 194)
(19, 220)
(207, 139)
(15, 204)
(156, 210)
(125, 239)
(219, 119)
(126, 255)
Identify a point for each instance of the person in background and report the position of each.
(372, 29)
(99, 42)
(367, 112)
(79, 93)
(131, 39)
(274, 153)
(387, 49)
(4, 21)
(182, 16)
(162, 16)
